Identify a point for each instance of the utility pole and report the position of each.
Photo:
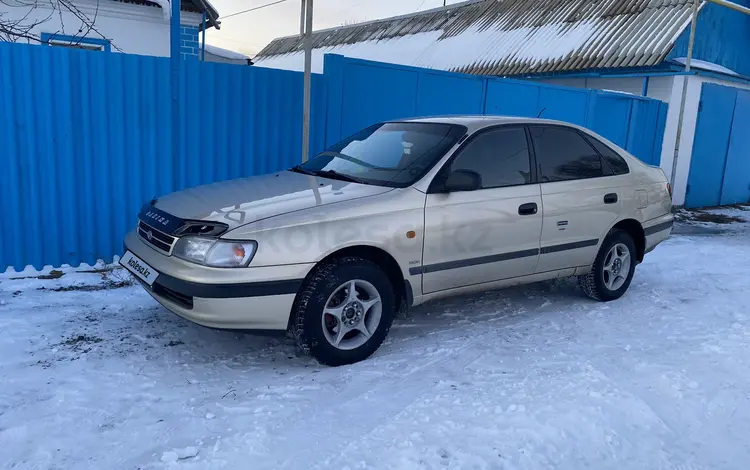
(203, 38)
(308, 26)
(685, 79)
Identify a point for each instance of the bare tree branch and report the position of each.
(12, 30)
(20, 29)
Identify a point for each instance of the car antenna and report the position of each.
(540, 113)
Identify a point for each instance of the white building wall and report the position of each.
(692, 100)
(658, 87)
(131, 28)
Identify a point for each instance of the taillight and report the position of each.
(669, 189)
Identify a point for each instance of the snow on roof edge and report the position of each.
(705, 65)
(388, 19)
(225, 53)
(493, 37)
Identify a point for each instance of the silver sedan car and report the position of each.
(398, 214)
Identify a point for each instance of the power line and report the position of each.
(253, 9)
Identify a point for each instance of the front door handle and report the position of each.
(528, 209)
(610, 198)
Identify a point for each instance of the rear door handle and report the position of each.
(528, 209)
(610, 198)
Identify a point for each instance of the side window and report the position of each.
(499, 156)
(616, 162)
(564, 155)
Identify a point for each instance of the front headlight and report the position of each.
(215, 253)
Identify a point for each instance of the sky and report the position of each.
(250, 32)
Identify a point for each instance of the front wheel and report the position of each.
(344, 311)
(613, 268)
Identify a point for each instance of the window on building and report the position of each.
(73, 45)
(76, 42)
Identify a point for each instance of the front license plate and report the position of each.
(139, 268)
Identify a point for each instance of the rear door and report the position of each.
(491, 233)
(581, 196)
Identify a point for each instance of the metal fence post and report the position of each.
(307, 80)
(174, 61)
(203, 42)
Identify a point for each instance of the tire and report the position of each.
(327, 290)
(601, 284)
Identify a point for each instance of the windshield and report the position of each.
(387, 154)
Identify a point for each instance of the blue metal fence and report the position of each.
(363, 92)
(85, 141)
(85, 137)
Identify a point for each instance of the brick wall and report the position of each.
(189, 48)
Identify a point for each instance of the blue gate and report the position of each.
(736, 187)
(720, 162)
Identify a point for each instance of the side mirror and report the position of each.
(463, 180)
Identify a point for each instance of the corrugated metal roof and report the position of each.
(506, 37)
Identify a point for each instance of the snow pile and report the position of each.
(525, 378)
(10, 272)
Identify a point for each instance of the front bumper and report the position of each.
(258, 298)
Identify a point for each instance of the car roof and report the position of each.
(474, 122)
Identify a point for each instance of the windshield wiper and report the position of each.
(333, 174)
(301, 169)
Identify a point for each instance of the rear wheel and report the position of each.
(344, 311)
(613, 268)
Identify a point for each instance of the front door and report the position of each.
(490, 233)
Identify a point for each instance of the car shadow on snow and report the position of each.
(132, 325)
(159, 334)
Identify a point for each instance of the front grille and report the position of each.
(159, 240)
(183, 300)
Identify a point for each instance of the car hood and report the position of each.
(243, 201)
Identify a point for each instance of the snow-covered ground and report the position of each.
(94, 374)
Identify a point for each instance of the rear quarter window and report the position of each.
(618, 164)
